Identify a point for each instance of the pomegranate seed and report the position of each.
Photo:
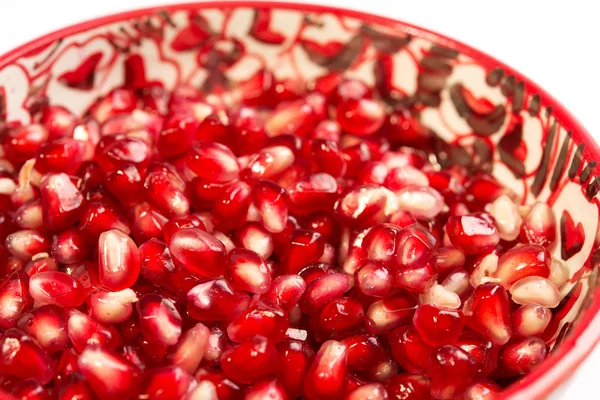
(522, 356)
(487, 312)
(164, 195)
(230, 208)
(156, 263)
(421, 202)
(118, 260)
(30, 215)
(22, 143)
(98, 217)
(523, 261)
(160, 321)
(481, 190)
(254, 237)
(26, 243)
(199, 252)
(390, 312)
(190, 349)
(108, 374)
(216, 301)
(166, 383)
(286, 291)
(437, 326)
(271, 203)
(70, 247)
(294, 360)
(417, 280)
(365, 352)
(472, 234)
(484, 270)
(539, 225)
(59, 121)
(415, 245)
(559, 273)
(225, 389)
(327, 376)
(483, 390)
(261, 319)
(458, 282)
(441, 297)
(322, 290)
(213, 162)
(506, 216)
(338, 316)
(266, 389)
(247, 271)
(408, 386)
(304, 248)
(111, 307)
(407, 176)
(247, 131)
(250, 360)
(297, 118)
(535, 290)
(316, 192)
(23, 357)
(481, 349)
(269, 162)
(530, 320)
(383, 371)
(48, 326)
(58, 288)
(366, 205)
(374, 279)
(14, 298)
(452, 370)
(85, 331)
(410, 351)
(360, 117)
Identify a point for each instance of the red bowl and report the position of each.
(468, 98)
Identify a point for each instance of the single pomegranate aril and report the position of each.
(313, 193)
(84, 331)
(506, 217)
(361, 117)
(410, 351)
(374, 279)
(23, 357)
(166, 383)
(156, 264)
(249, 361)
(160, 321)
(304, 248)
(328, 375)
(487, 312)
(216, 301)
(225, 389)
(371, 391)
(336, 317)
(420, 202)
(199, 252)
(58, 288)
(271, 202)
(481, 349)
(189, 350)
(294, 359)
(472, 234)
(266, 389)
(416, 280)
(269, 162)
(247, 271)
(164, 195)
(530, 320)
(483, 390)
(408, 387)
(118, 260)
(108, 374)
(322, 290)
(452, 371)
(559, 273)
(415, 245)
(14, 298)
(539, 225)
(212, 161)
(366, 205)
(61, 201)
(111, 307)
(442, 297)
(437, 326)
(535, 290)
(365, 352)
(48, 326)
(523, 261)
(26, 244)
(230, 208)
(254, 237)
(390, 312)
(262, 319)
(522, 356)
(286, 291)
(70, 247)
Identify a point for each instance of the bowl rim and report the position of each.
(585, 334)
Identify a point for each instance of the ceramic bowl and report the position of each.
(485, 114)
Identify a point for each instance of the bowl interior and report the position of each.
(484, 115)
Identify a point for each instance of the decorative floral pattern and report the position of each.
(479, 115)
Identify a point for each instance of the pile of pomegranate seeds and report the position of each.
(188, 246)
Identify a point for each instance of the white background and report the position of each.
(554, 43)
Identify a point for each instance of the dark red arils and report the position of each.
(365, 352)
(294, 359)
(160, 321)
(48, 326)
(108, 374)
(118, 260)
(199, 252)
(262, 319)
(250, 360)
(23, 357)
(360, 117)
(322, 290)
(14, 299)
(472, 234)
(84, 331)
(61, 201)
(438, 326)
(452, 371)
(216, 301)
(487, 312)
(522, 356)
(328, 374)
(408, 386)
(304, 248)
(410, 351)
